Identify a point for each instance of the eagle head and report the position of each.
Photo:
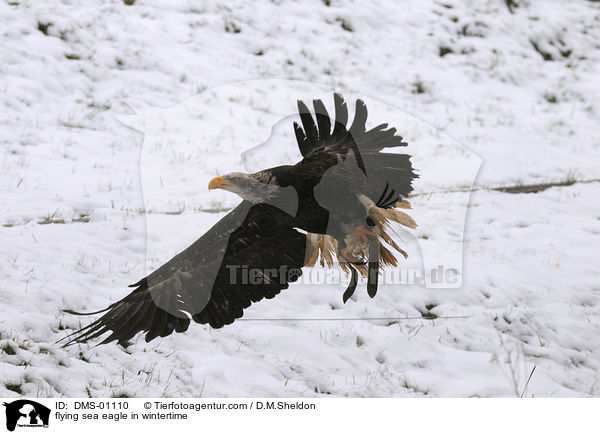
(254, 187)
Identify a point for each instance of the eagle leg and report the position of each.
(373, 272)
(354, 274)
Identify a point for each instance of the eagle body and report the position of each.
(333, 206)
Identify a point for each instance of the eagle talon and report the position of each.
(348, 256)
(362, 234)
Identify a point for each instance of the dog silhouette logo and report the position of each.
(26, 413)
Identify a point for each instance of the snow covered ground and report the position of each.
(516, 82)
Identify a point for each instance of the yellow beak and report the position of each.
(218, 182)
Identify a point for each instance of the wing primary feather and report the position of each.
(360, 118)
(308, 123)
(113, 322)
(341, 115)
(119, 326)
(169, 327)
(323, 121)
(99, 331)
(80, 332)
(182, 325)
(72, 312)
(139, 283)
(134, 324)
(159, 320)
(301, 139)
(93, 332)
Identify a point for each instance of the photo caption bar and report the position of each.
(291, 415)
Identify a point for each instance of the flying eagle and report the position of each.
(336, 203)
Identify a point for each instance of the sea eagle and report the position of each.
(336, 203)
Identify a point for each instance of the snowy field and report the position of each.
(88, 204)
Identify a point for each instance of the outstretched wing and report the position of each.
(389, 175)
(251, 254)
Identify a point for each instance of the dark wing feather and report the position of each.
(310, 129)
(341, 115)
(301, 139)
(323, 121)
(360, 119)
(323, 149)
(258, 237)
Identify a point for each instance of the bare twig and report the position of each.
(527, 384)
